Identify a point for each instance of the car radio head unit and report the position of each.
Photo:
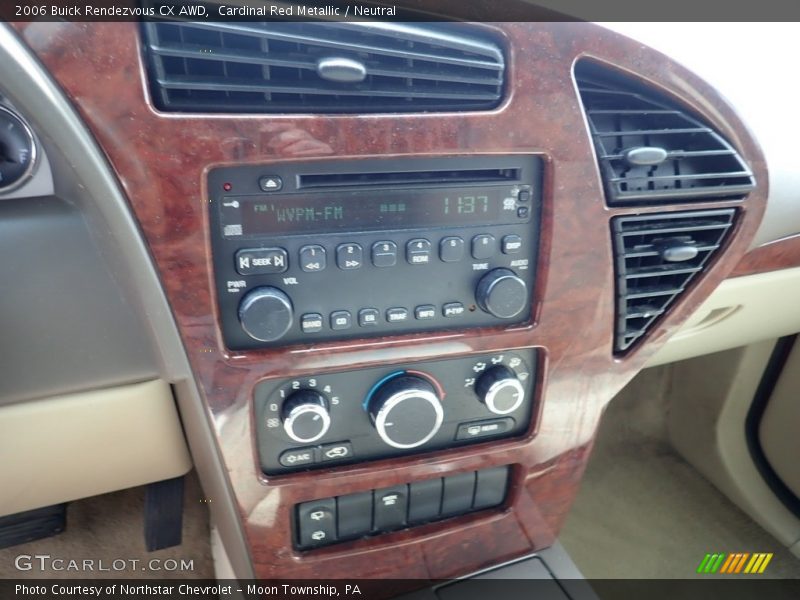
(307, 252)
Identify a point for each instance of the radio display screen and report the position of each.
(366, 210)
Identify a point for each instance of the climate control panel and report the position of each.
(353, 416)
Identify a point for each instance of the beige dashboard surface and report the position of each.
(80, 445)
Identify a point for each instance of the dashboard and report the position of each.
(418, 314)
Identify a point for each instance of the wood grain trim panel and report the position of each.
(773, 256)
(161, 161)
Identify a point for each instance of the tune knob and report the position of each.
(500, 390)
(305, 416)
(406, 411)
(501, 293)
(266, 314)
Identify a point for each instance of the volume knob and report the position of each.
(266, 314)
(501, 293)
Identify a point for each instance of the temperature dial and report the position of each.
(305, 416)
(500, 390)
(406, 411)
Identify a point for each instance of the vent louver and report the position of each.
(657, 256)
(293, 67)
(651, 151)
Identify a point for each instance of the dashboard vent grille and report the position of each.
(657, 256)
(652, 151)
(320, 67)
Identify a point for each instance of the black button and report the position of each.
(418, 251)
(337, 451)
(396, 315)
(261, 261)
(451, 249)
(316, 523)
(368, 316)
(457, 494)
(483, 246)
(523, 196)
(349, 256)
(426, 311)
(390, 505)
(424, 500)
(311, 322)
(490, 487)
(354, 513)
(511, 244)
(313, 258)
(341, 319)
(479, 429)
(384, 254)
(270, 183)
(453, 309)
(523, 212)
(298, 457)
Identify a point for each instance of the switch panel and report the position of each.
(324, 522)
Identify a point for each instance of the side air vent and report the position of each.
(657, 256)
(293, 67)
(652, 151)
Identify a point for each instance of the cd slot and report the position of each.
(393, 178)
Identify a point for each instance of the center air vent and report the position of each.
(657, 256)
(293, 67)
(654, 151)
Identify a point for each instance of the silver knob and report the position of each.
(406, 411)
(500, 390)
(305, 416)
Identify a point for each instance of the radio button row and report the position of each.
(384, 254)
(311, 323)
(451, 249)
(313, 258)
(368, 317)
(418, 251)
(349, 256)
(261, 261)
(396, 315)
(427, 311)
(341, 319)
(453, 309)
(511, 244)
(483, 246)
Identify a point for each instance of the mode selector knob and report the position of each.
(406, 411)
(266, 314)
(501, 293)
(305, 416)
(500, 390)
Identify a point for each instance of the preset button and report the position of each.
(384, 254)
(418, 251)
(349, 256)
(313, 258)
